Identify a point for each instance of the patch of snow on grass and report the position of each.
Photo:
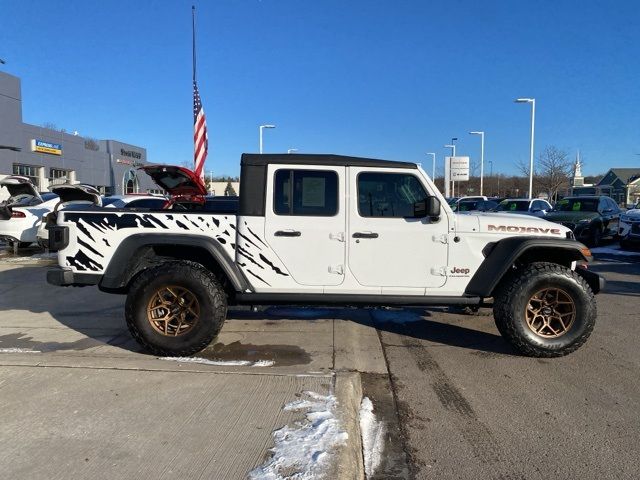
(373, 433)
(18, 350)
(302, 451)
(614, 251)
(395, 315)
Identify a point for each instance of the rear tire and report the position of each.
(176, 308)
(545, 310)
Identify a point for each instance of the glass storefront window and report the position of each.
(27, 171)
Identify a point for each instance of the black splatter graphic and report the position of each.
(262, 280)
(181, 225)
(82, 262)
(275, 269)
(257, 237)
(89, 247)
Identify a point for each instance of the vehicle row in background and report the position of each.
(27, 214)
(629, 229)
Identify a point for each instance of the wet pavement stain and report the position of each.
(22, 341)
(281, 355)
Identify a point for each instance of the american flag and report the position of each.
(200, 137)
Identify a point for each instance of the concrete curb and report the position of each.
(349, 463)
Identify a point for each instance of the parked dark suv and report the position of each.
(591, 218)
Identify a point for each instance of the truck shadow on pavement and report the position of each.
(99, 318)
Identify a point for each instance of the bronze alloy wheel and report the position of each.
(550, 312)
(173, 310)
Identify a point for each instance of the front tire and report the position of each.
(545, 310)
(176, 308)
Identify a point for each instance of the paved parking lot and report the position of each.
(80, 400)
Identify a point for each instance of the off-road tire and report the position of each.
(512, 298)
(201, 283)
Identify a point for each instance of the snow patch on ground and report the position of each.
(395, 316)
(373, 432)
(37, 257)
(18, 350)
(614, 251)
(302, 451)
(264, 363)
(220, 363)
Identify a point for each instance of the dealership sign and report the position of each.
(46, 147)
(459, 169)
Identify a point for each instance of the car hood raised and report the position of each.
(509, 224)
(19, 185)
(178, 181)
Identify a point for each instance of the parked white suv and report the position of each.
(22, 212)
(327, 229)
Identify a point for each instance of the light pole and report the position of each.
(433, 168)
(532, 101)
(291, 150)
(452, 146)
(481, 159)
(262, 127)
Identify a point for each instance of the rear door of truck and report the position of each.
(305, 221)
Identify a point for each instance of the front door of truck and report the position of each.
(305, 221)
(387, 246)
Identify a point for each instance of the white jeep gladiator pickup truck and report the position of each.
(330, 230)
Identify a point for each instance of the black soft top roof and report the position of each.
(258, 159)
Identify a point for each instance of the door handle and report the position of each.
(287, 233)
(365, 235)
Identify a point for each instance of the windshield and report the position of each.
(513, 206)
(577, 205)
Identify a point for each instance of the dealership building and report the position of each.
(50, 157)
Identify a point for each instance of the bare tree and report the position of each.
(554, 170)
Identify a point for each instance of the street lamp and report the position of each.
(481, 159)
(262, 127)
(433, 168)
(291, 150)
(532, 101)
(452, 146)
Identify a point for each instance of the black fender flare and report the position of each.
(118, 272)
(500, 256)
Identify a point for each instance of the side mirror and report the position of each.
(429, 207)
(536, 210)
(607, 210)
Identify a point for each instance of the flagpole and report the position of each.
(193, 31)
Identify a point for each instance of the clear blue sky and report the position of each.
(385, 79)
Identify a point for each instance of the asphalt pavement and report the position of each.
(471, 407)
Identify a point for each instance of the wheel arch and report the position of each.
(139, 252)
(509, 253)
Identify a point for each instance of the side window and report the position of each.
(306, 193)
(388, 194)
(612, 205)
